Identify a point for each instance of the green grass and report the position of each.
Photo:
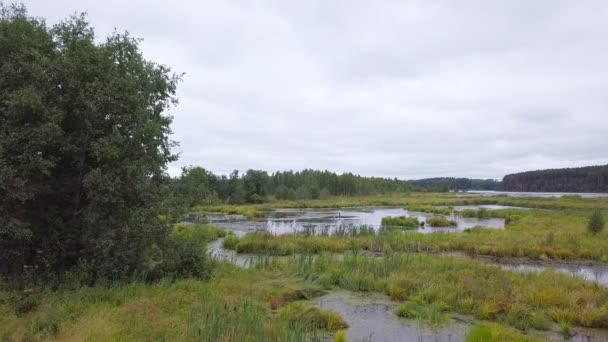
(463, 286)
(236, 305)
(230, 241)
(488, 332)
(481, 213)
(412, 200)
(304, 316)
(430, 209)
(401, 222)
(440, 221)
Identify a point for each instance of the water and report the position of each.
(371, 317)
(594, 273)
(217, 251)
(284, 221)
(537, 194)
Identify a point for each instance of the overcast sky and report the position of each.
(406, 89)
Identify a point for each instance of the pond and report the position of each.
(284, 221)
(371, 317)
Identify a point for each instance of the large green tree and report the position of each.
(84, 142)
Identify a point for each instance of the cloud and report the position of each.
(398, 89)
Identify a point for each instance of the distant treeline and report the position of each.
(449, 183)
(580, 179)
(197, 185)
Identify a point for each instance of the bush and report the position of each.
(185, 253)
(596, 223)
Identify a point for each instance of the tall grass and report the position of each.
(402, 222)
(464, 286)
(236, 305)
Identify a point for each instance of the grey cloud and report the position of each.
(394, 88)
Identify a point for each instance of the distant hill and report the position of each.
(580, 179)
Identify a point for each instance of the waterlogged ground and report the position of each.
(321, 221)
(594, 273)
(371, 317)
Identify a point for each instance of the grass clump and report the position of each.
(433, 313)
(230, 241)
(340, 336)
(301, 315)
(481, 213)
(488, 332)
(440, 221)
(430, 209)
(401, 222)
(596, 223)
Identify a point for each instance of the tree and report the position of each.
(596, 223)
(84, 143)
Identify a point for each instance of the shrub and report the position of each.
(596, 223)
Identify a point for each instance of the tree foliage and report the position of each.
(84, 142)
(580, 179)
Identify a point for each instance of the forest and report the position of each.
(579, 179)
(199, 186)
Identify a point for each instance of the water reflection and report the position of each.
(596, 273)
(284, 221)
(372, 318)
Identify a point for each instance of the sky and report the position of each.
(407, 89)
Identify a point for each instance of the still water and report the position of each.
(284, 221)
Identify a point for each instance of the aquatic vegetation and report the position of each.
(304, 316)
(340, 336)
(401, 222)
(481, 213)
(230, 241)
(430, 209)
(488, 332)
(433, 313)
(440, 221)
(462, 286)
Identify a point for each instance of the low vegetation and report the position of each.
(236, 305)
(481, 213)
(488, 332)
(430, 209)
(403, 222)
(433, 285)
(596, 223)
(440, 221)
(534, 234)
